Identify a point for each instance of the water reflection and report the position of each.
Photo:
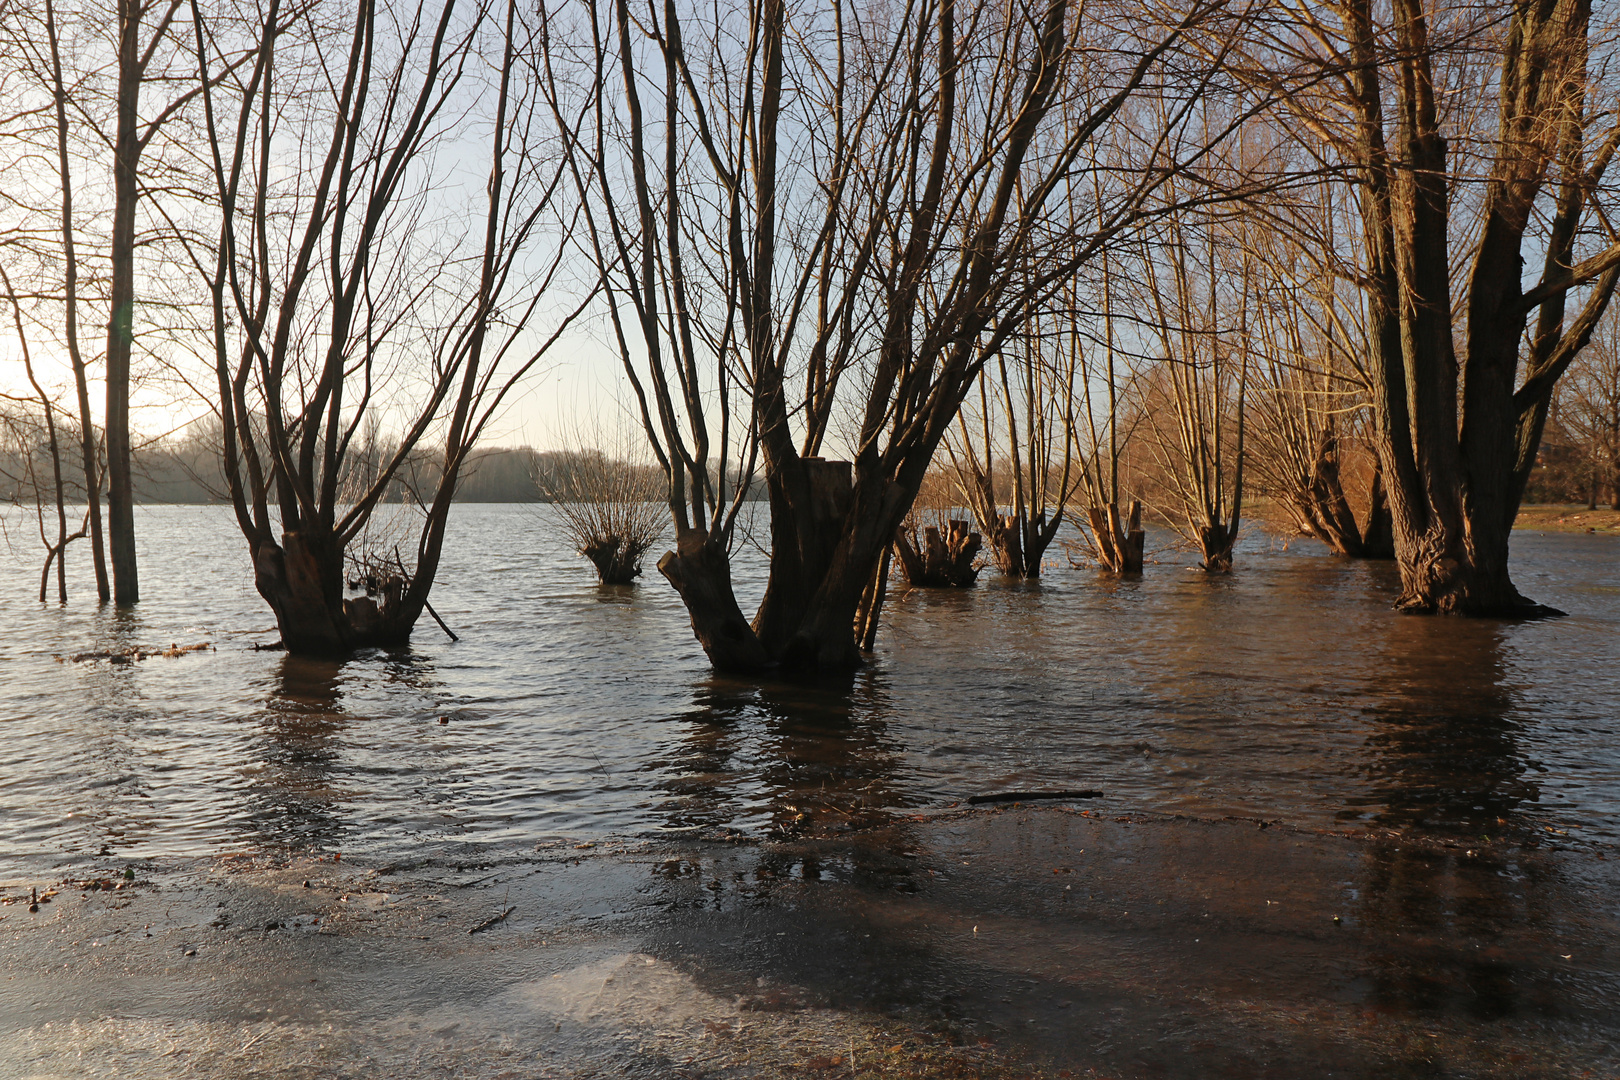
(794, 758)
(1287, 690)
(293, 795)
(1447, 762)
(1445, 751)
(615, 594)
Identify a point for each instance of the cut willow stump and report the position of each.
(939, 561)
(617, 558)
(1118, 548)
(1217, 540)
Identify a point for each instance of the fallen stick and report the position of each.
(492, 920)
(1031, 796)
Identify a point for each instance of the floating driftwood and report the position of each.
(132, 654)
(1031, 796)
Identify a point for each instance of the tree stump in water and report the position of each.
(939, 561)
(616, 558)
(1119, 547)
(1217, 541)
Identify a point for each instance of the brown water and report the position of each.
(1287, 691)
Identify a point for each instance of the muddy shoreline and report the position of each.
(1012, 941)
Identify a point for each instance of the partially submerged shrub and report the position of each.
(610, 510)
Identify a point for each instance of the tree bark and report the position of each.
(301, 579)
(70, 282)
(939, 561)
(120, 323)
(1455, 465)
(701, 573)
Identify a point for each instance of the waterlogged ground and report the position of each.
(1331, 840)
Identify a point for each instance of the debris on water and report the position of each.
(1030, 796)
(134, 653)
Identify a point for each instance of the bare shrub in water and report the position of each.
(610, 510)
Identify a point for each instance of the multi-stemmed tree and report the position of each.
(816, 225)
(348, 282)
(1463, 352)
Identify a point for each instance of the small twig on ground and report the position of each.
(492, 920)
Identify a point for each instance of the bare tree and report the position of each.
(1030, 416)
(1311, 418)
(56, 493)
(1197, 312)
(339, 296)
(610, 509)
(1589, 407)
(1461, 379)
(1114, 540)
(815, 227)
(41, 97)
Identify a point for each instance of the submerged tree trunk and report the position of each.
(70, 322)
(1455, 464)
(302, 580)
(120, 322)
(1324, 508)
(701, 572)
(1119, 547)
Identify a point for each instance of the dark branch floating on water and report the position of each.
(1031, 796)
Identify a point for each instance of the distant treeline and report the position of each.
(186, 471)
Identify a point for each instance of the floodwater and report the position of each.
(1446, 791)
(1286, 691)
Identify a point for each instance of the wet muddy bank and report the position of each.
(1013, 941)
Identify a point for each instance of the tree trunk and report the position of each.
(939, 562)
(1378, 532)
(701, 573)
(70, 284)
(810, 499)
(1006, 543)
(1019, 542)
(871, 609)
(120, 324)
(1216, 542)
(302, 580)
(1119, 547)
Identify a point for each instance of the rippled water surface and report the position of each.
(1286, 691)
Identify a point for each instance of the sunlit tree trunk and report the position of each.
(1456, 436)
